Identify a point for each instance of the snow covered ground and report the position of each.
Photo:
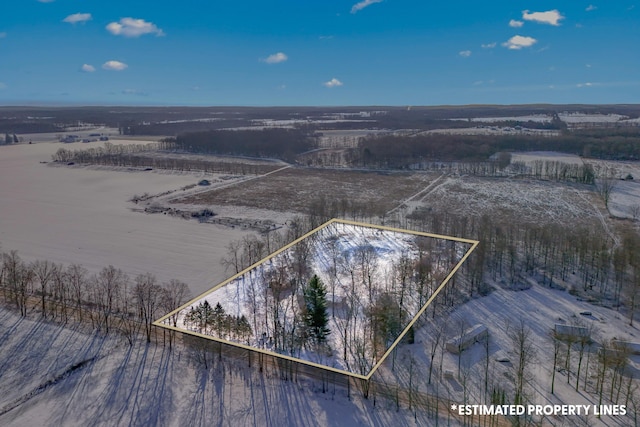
(578, 118)
(625, 196)
(540, 308)
(538, 118)
(550, 156)
(82, 215)
(52, 375)
(357, 265)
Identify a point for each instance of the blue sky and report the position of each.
(263, 53)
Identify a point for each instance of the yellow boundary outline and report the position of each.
(474, 244)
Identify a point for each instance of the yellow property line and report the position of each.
(474, 244)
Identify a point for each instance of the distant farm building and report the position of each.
(471, 336)
(70, 139)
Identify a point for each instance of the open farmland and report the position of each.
(82, 215)
(296, 189)
(521, 200)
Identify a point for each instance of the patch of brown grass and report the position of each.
(295, 189)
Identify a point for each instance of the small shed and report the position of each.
(470, 336)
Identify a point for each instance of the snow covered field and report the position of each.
(51, 375)
(550, 156)
(538, 118)
(82, 215)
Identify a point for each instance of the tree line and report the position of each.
(397, 152)
(277, 142)
(110, 300)
(139, 156)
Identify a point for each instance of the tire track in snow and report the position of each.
(42, 387)
(427, 190)
(230, 184)
(605, 226)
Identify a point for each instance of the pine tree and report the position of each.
(218, 319)
(244, 328)
(316, 318)
(202, 315)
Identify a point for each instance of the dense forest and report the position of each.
(393, 151)
(278, 143)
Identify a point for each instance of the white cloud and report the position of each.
(465, 53)
(364, 3)
(88, 68)
(551, 17)
(515, 24)
(275, 58)
(518, 42)
(77, 17)
(130, 27)
(591, 7)
(333, 83)
(46, 1)
(587, 84)
(114, 66)
(488, 45)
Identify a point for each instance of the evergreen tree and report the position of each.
(202, 315)
(244, 328)
(218, 319)
(316, 318)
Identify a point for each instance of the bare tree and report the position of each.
(60, 291)
(521, 343)
(77, 278)
(109, 286)
(605, 186)
(19, 278)
(556, 356)
(175, 293)
(584, 341)
(147, 295)
(43, 271)
(234, 257)
(437, 339)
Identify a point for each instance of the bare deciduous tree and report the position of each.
(606, 185)
(522, 347)
(147, 295)
(43, 271)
